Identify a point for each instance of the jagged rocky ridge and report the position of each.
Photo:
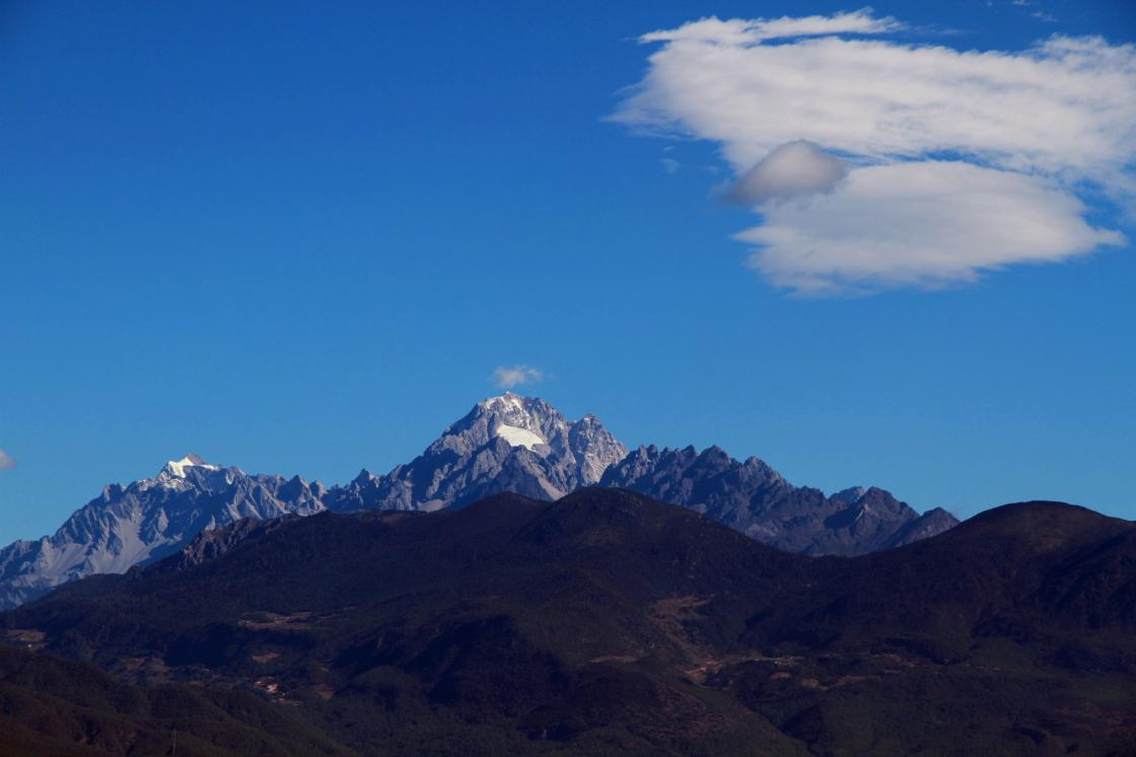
(753, 498)
(505, 443)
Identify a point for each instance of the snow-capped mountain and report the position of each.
(505, 443)
(148, 519)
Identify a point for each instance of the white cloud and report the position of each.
(795, 169)
(509, 376)
(7, 462)
(670, 165)
(1049, 121)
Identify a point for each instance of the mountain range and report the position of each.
(506, 443)
(602, 623)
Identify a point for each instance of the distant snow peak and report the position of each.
(518, 437)
(177, 468)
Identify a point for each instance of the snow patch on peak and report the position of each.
(518, 437)
(177, 467)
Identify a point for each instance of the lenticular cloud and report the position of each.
(796, 169)
(952, 162)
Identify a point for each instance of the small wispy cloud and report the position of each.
(7, 462)
(509, 376)
(670, 165)
(741, 31)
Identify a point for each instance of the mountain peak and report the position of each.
(504, 443)
(365, 476)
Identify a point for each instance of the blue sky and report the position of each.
(300, 239)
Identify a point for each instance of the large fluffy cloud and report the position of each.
(1026, 131)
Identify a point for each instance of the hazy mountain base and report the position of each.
(608, 623)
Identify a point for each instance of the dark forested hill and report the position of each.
(50, 706)
(607, 622)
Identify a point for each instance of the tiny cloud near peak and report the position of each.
(952, 162)
(510, 376)
(7, 462)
